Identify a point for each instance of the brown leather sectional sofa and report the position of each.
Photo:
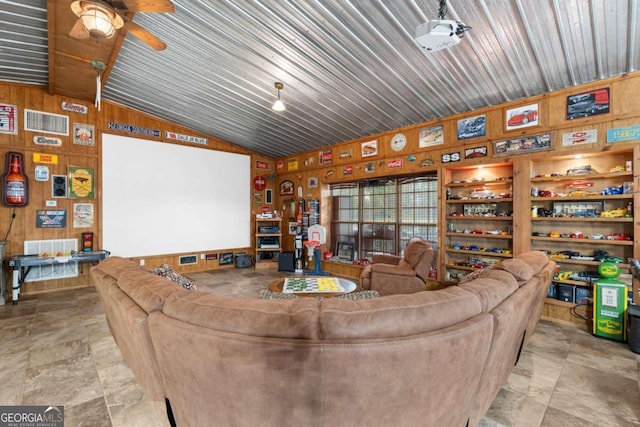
(431, 358)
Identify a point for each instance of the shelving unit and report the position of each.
(577, 220)
(268, 242)
(478, 218)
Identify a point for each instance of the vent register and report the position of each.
(57, 247)
(39, 121)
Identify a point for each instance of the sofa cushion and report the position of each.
(525, 265)
(492, 290)
(413, 253)
(148, 290)
(115, 266)
(396, 316)
(285, 318)
(169, 273)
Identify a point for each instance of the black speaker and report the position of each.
(286, 262)
(58, 186)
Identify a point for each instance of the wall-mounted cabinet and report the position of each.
(582, 213)
(478, 218)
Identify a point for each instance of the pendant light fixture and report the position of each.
(279, 105)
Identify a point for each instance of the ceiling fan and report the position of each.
(100, 19)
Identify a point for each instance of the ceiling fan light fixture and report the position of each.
(279, 105)
(100, 21)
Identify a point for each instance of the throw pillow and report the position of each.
(169, 273)
(474, 275)
(368, 294)
(267, 294)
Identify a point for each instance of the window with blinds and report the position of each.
(380, 216)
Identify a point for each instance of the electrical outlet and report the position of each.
(141, 262)
(188, 259)
(201, 256)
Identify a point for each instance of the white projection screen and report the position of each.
(160, 198)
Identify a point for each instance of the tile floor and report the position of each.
(56, 349)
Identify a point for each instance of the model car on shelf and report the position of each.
(580, 170)
(564, 254)
(562, 275)
(584, 214)
(547, 193)
(546, 212)
(584, 276)
(481, 193)
(583, 258)
(554, 233)
(618, 236)
(577, 235)
(614, 213)
(596, 236)
(539, 234)
(612, 191)
(579, 184)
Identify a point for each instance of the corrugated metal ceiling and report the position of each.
(350, 68)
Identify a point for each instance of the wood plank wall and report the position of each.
(347, 163)
(70, 154)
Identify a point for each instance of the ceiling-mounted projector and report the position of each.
(440, 34)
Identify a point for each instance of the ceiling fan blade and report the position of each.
(163, 6)
(144, 35)
(78, 31)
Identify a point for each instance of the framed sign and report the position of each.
(345, 251)
(81, 183)
(84, 134)
(369, 148)
(521, 117)
(8, 119)
(472, 127)
(588, 103)
(286, 188)
(522, 145)
(225, 258)
(431, 136)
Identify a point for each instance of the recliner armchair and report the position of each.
(392, 274)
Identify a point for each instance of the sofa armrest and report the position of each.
(385, 259)
(392, 280)
(392, 270)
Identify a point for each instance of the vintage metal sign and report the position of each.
(50, 159)
(51, 218)
(74, 108)
(395, 164)
(623, 134)
(186, 138)
(580, 137)
(45, 140)
(139, 130)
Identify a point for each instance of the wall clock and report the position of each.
(398, 142)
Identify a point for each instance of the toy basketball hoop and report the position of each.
(317, 237)
(311, 246)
